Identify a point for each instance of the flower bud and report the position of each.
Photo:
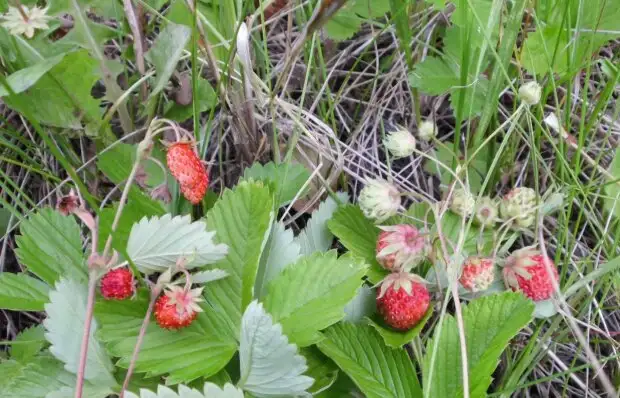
(463, 202)
(379, 199)
(427, 130)
(400, 247)
(520, 205)
(530, 93)
(400, 143)
(486, 211)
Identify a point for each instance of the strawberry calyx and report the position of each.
(399, 280)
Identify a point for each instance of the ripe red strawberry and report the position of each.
(400, 247)
(185, 166)
(177, 307)
(526, 271)
(478, 274)
(402, 300)
(118, 284)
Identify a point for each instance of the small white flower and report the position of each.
(16, 24)
(427, 130)
(379, 200)
(530, 93)
(400, 143)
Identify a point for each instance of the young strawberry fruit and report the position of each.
(478, 274)
(402, 300)
(177, 307)
(118, 284)
(186, 168)
(400, 247)
(526, 271)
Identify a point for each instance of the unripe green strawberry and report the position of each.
(477, 274)
(486, 211)
(463, 202)
(529, 271)
(520, 205)
(188, 170)
(403, 300)
(400, 247)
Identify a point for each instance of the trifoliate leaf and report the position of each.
(377, 370)
(242, 219)
(288, 179)
(281, 250)
(311, 294)
(165, 53)
(270, 366)
(28, 343)
(20, 292)
(199, 350)
(362, 305)
(316, 236)
(158, 243)
(210, 390)
(490, 322)
(359, 235)
(66, 316)
(50, 246)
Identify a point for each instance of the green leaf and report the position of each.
(50, 246)
(210, 390)
(158, 243)
(62, 97)
(270, 366)
(200, 350)
(364, 304)
(166, 52)
(242, 219)
(66, 316)
(348, 20)
(20, 292)
(434, 76)
(490, 322)
(40, 377)
(612, 189)
(322, 369)
(280, 251)
(203, 277)
(311, 294)
(206, 97)
(397, 339)
(377, 370)
(288, 179)
(359, 235)
(25, 78)
(316, 236)
(28, 343)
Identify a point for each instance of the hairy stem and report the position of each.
(90, 305)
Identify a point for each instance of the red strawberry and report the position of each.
(177, 307)
(400, 247)
(187, 169)
(402, 300)
(526, 270)
(118, 284)
(478, 274)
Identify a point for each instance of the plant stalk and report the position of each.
(90, 305)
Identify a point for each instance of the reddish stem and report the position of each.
(92, 284)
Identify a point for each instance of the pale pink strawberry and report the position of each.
(478, 274)
(400, 247)
(531, 272)
(402, 300)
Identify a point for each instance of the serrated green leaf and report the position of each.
(28, 343)
(348, 20)
(490, 322)
(322, 369)
(316, 236)
(434, 76)
(377, 370)
(359, 235)
(66, 316)
(364, 304)
(166, 52)
(280, 251)
(270, 366)
(200, 350)
(40, 377)
(397, 339)
(20, 292)
(50, 246)
(311, 294)
(242, 219)
(158, 243)
(210, 390)
(288, 179)
(24, 78)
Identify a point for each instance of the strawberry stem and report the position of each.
(90, 305)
